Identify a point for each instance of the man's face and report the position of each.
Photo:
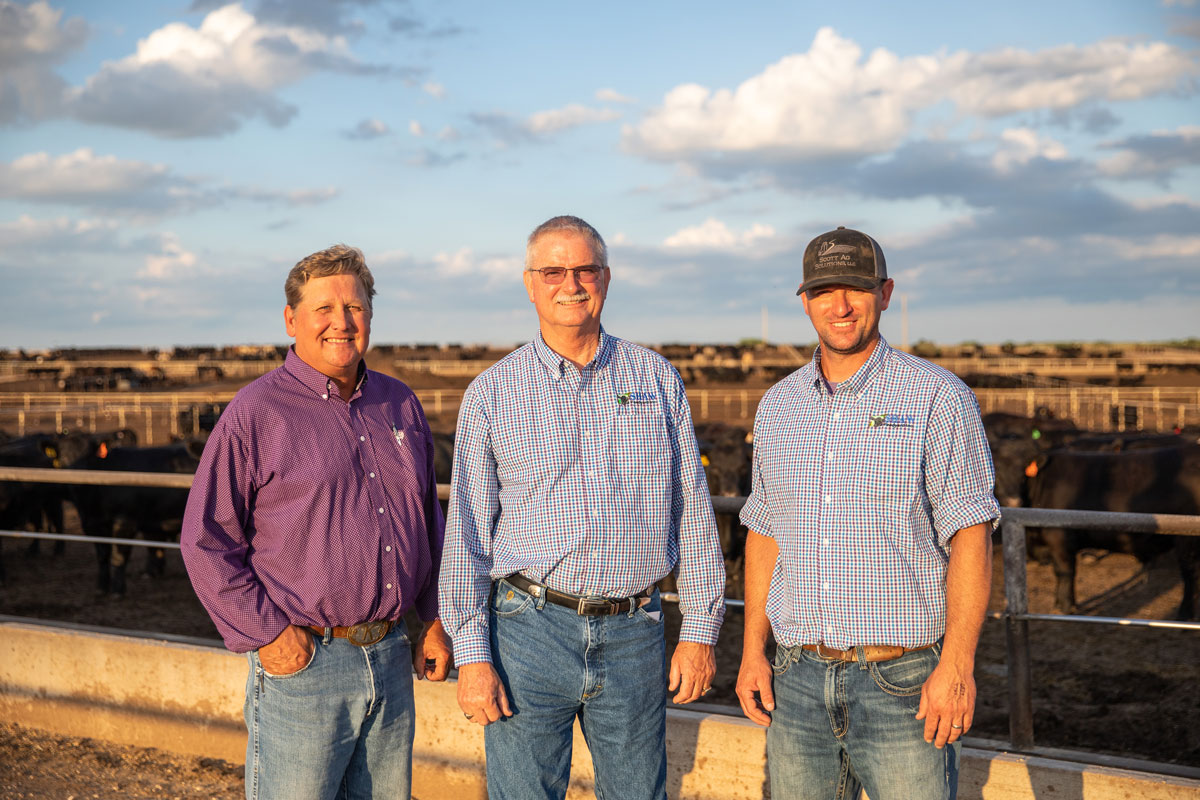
(331, 325)
(846, 318)
(572, 304)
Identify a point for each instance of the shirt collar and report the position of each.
(557, 364)
(859, 380)
(316, 381)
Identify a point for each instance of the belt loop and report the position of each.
(633, 607)
(328, 636)
(860, 655)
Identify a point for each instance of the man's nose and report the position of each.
(571, 279)
(841, 303)
(345, 318)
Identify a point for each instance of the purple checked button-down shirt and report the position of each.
(311, 510)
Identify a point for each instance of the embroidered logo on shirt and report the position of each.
(399, 434)
(891, 420)
(636, 397)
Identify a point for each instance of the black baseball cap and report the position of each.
(843, 256)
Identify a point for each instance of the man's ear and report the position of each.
(289, 321)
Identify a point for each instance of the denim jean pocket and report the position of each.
(784, 658)
(311, 657)
(509, 601)
(905, 676)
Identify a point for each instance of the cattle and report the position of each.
(125, 512)
(1159, 480)
(725, 452)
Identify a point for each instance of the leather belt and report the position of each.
(580, 604)
(871, 652)
(362, 634)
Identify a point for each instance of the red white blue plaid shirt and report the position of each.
(862, 490)
(587, 480)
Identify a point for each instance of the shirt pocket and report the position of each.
(639, 445)
(893, 466)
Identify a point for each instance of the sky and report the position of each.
(1031, 170)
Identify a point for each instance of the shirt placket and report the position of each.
(594, 464)
(381, 518)
(830, 503)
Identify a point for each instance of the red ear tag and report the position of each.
(1031, 470)
(103, 450)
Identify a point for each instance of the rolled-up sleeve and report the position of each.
(465, 583)
(701, 568)
(215, 544)
(959, 477)
(756, 513)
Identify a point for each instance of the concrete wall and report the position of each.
(185, 696)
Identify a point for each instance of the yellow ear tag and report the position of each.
(704, 460)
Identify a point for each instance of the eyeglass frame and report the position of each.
(575, 270)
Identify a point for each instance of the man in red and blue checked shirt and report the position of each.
(577, 486)
(869, 552)
(312, 527)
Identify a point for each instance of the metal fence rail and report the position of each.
(1014, 524)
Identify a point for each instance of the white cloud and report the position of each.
(172, 262)
(570, 116)
(612, 96)
(435, 90)
(1147, 249)
(1019, 146)
(109, 185)
(368, 129)
(712, 234)
(832, 101)
(463, 263)
(33, 39)
(58, 235)
(1154, 155)
(415, 128)
(206, 81)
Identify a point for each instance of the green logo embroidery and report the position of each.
(623, 398)
(875, 420)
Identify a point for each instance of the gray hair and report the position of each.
(574, 225)
(340, 259)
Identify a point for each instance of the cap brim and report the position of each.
(857, 281)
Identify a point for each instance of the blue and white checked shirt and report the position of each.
(586, 480)
(862, 490)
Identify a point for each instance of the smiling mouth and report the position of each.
(332, 340)
(581, 297)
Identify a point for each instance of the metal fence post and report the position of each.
(1016, 601)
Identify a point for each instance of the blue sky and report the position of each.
(1030, 169)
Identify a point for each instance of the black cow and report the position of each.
(125, 512)
(1161, 480)
(725, 451)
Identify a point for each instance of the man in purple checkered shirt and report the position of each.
(577, 485)
(869, 552)
(312, 527)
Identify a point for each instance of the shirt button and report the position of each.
(381, 511)
(829, 456)
(826, 586)
(829, 629)
(372, 474)
(828, 499)
(387, 549)
(836, 415)
(362, 438)
(826, 543)
(389, 586)
(324, 397)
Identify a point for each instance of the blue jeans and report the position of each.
(556, 665)
(341, 727)
(839, 727)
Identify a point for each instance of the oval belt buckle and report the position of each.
(365, 633)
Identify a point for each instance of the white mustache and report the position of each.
(573, 298)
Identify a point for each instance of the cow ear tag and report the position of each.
(1031, 471)
(1036, 434)
(704, 460)
(102, 451)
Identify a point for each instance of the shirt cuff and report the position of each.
(472, 644)
(701, 628)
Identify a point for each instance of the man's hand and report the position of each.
(481, 695)
(693, 666)
(431, 655)
(947, 703)
(290, 652)
(755, 690)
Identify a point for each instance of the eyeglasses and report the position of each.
(587, 274)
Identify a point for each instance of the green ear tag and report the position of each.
(1036, 434)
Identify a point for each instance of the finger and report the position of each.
(752, 707)
(676, 676)
(418, 660)
(503, 697)
(943, 732)
(922, 709)
(439, 668)
(689, 689)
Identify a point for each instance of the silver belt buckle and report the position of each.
(594, 601)
(366, 633)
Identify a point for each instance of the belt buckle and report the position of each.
(367, 633)
(610, 607)
(838, 654)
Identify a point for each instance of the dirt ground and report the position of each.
(1115, 690)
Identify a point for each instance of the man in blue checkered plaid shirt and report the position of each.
(869, 551)
(577, 485)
